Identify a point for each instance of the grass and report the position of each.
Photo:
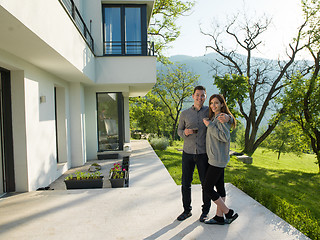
(294, 179)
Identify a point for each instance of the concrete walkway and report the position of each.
(146, 210)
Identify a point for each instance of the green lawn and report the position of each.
(292, 178)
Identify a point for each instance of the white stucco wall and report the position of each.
(77, 125)
(49, 21)
(19, 130)
(93, 12)
(52, 54)
(34, 123)
(126, 120)
(126, 70)
(91, 117)
(40, 130)
(91, 123)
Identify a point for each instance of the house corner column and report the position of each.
(126, 120)
(19, 131)
(77, 125)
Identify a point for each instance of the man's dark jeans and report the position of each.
(188, 164)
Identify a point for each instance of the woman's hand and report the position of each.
(223, 118)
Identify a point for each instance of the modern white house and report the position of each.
(67, 70)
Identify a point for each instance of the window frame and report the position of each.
(143, 19)
(120, 106)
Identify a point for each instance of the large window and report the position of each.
(110, 121)
(125, 29)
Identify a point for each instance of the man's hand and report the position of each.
(188, 131)
(224, 118)
(206, 121)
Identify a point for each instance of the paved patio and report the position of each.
(146, 210)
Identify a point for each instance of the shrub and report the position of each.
(136, 135)
(298, 217)
(152, 136)
(159, 143)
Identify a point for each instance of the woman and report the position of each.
(217, 147)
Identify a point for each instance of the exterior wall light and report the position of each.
(43, 99)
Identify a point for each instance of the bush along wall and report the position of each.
(159, 143)
(300, 219)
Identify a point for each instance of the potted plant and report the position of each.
(84, 180)
(94, 167)
(117, 176)
(125, 163)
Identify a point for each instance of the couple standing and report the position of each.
(206, 134)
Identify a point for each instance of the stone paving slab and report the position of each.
(146, 210)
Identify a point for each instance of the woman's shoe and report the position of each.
(230, 220)
(213, 221)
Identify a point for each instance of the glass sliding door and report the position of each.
(110, 121)
(112, 30)
(133, 30)
(125, 29)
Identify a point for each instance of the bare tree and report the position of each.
(264, 77)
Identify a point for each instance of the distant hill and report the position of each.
(200, 66)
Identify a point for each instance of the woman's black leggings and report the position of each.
(214, 178)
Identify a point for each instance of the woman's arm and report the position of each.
(220, 130)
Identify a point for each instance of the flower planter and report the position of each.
(74, 183)
(125, 163)
(118, 182)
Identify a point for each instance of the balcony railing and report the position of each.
(135, 48)
(78, 21)
(140, 48)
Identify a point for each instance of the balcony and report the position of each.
(114, 48)
(128, 48)
(74, 14)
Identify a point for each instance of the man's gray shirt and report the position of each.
(192, 118)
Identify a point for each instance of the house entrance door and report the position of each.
(1, 159)
(7, 181)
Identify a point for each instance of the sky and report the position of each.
(286, 18)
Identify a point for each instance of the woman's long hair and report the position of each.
(224, 108)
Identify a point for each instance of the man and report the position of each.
(192, 129)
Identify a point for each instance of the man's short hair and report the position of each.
(199, 88)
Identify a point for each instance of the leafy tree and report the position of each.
(286, 138)
(301, 102)
(162, 28)
(232, 87)
(302, 94)
(148, 114)
(237, 135)
(264, 78)
(174, 86)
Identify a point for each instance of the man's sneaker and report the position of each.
(184, 216)
(203, 217)
(230, 220)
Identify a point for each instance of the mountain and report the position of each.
(201, 66)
